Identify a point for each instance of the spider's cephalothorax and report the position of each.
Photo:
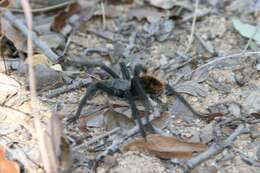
(128, 87)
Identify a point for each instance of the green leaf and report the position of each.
(247, 30)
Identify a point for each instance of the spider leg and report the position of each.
(138, 69)
(130, 98)
(135, 113)
(96, 64)
(140, 91)
(125, 71)
(146, 103)
(171, 91)
(90, 92)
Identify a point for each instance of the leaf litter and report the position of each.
(141, 31)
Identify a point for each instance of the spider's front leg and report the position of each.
(90, 92)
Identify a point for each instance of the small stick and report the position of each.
(67, 88)
(24, 30)
(215, 148)
(223, 58)
(92, 141)
(100, 34)
(199, 15)
(116, 144)
(207, 46)
(247, 159)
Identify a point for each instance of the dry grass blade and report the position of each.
(165, 146)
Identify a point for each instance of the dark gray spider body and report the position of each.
(116, 87)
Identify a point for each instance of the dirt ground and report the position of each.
(203, 72)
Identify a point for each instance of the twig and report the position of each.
(208, 47)
(182, 64)
(192, 27)
(247, 159)
(92, 141)
(219, 59)
(116, 144)
(199, 15)
(215, 148)
(25, 31)
(100, 34)
(67, 88)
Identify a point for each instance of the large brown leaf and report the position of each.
(165, 146)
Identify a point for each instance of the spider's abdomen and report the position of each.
(116, 87)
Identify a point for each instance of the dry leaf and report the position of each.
(59, 152)
(115, 119)
(7, 166)
(165, 146)
(4, 3)
(13, 35)
(143, 13)
(7, 84)
(61, 18)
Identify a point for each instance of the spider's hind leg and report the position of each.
(171, 91)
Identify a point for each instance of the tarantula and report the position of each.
(128, 87)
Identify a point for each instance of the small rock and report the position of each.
(46, 78)
(206, 134)
(53, 40)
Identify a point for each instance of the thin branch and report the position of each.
(223, 58)
(92, 141)
(215, 148)
(247, 159)
(116, 144)
(67, 88)
(25, 31)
